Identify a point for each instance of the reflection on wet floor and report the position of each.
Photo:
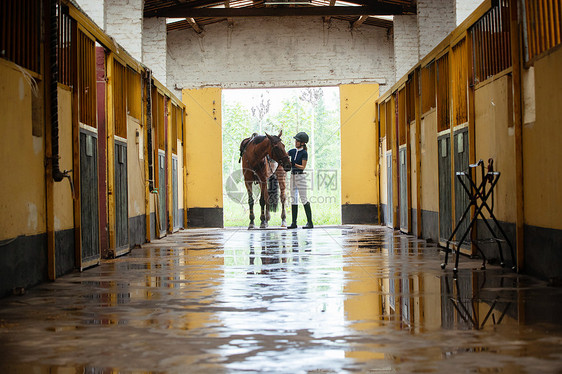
(348, 299)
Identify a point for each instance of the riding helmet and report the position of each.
(302, 137)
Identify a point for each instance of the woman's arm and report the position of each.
(301, 166)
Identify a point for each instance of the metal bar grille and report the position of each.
(19, 39)
(174, 129)
(402, 116)
(160, 121)
(65, 47)
(491, 42)
(389, 111)
(120, 98)
(382, 120)
(87, 79)
(544, 25)
(410, 100)
(459, 83)
(428, 87)
(134, 98)
(443, 94)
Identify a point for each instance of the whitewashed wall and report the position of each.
(154, 47)
(279, 52)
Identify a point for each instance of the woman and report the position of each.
(299, 157)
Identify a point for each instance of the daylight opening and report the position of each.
(315, 111)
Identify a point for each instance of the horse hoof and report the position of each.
(250, 226)
(263, 225)
(283, 223)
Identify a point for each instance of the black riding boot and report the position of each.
(295, 212)
(308, 212)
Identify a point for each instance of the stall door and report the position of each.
(162, 191)
(461, 197)
(403, 161)
(121, 199)
(445, 206)
(175, 212)
(389, 204)
(89, 198)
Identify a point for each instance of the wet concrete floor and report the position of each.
(329, 300)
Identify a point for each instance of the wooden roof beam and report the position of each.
(359, 21)
(185, 11)
(229, 20)
(194, 25)
(327, 18)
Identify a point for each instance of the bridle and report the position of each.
(276, 153)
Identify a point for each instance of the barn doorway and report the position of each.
(315, 110)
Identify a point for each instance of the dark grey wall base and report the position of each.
(205, 217)
(137, 230)
(64, 252)
(153, 226)
(383, 214)
(430, 225)
(359, 214)
(543, 253)
(490, 248)
(23, 263)
(414, 228)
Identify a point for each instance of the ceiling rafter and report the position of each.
(187, 11)
(194, 25)
(359, 22)
(230, 20)
(332, 3)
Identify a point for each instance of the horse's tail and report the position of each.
(273, 191)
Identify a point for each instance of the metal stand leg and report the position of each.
(478, 196)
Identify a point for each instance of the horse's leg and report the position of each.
(264, 203)
(281, 177)
(250, 202)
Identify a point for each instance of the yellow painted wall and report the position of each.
(358, 141)
(203, 147)
(135, 168)
(62, 194)
(495, 139)
(22, 201)
(429, 176)
(542, 147)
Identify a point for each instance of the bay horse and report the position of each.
(256, 154)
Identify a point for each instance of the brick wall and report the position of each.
(95, 10)
(436, 19)
(154, 46)
(279, 52)
(123, 21)
(406, 44)
(465, 7)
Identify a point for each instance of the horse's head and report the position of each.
(278, 152)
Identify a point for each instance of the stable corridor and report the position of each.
(333, 299)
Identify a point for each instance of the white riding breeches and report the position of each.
(299, 187)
